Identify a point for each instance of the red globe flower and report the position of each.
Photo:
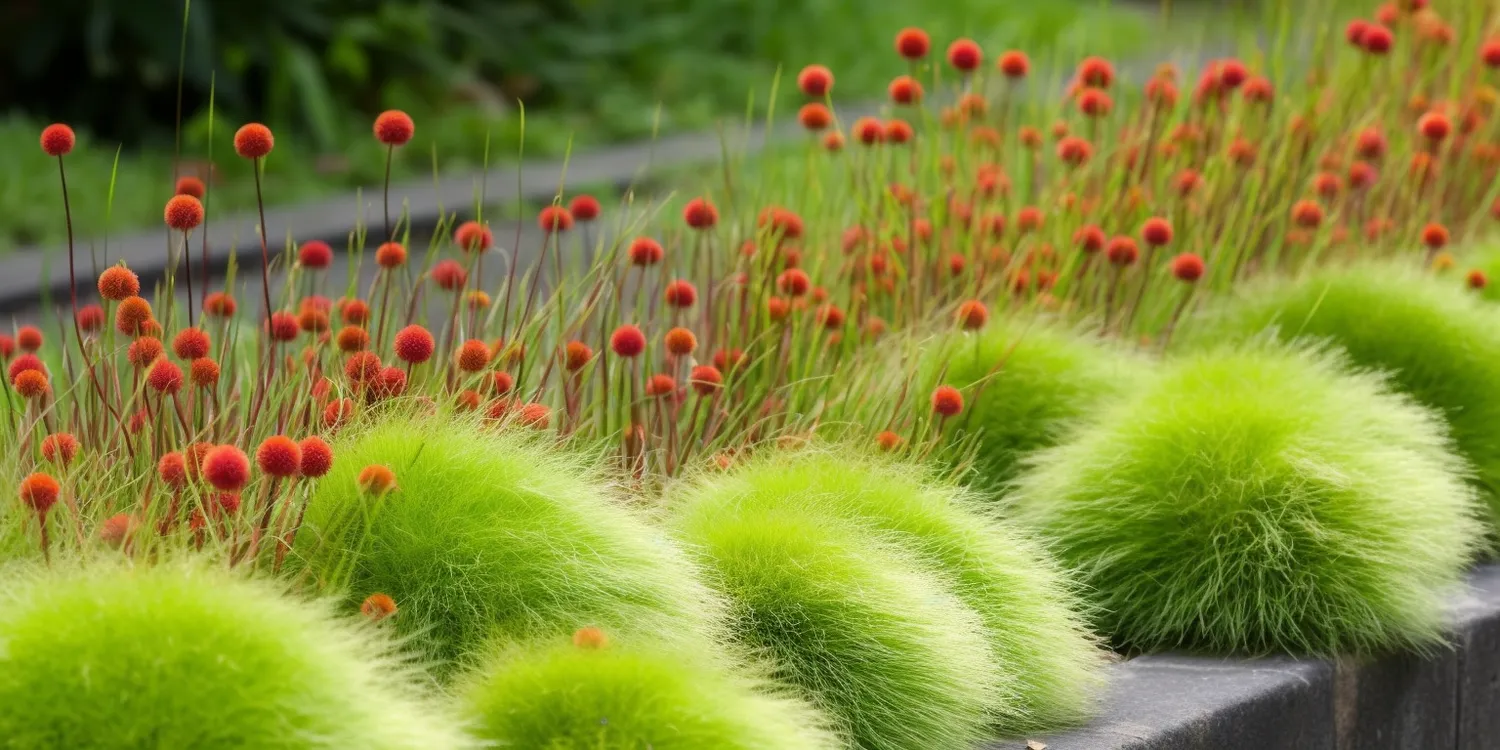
(184, 213)
(57, 140)
(59, 448)
(1376, 39)
(90, 318)
(645, 251)
(471, 236)
(317, 457)
(279, 456)
(1435, 236)
(815, 81)
(1434, 126)
(680, 294)
(814, 117)
(253, 141)
(680, 342)
(473, 356)
(1094, 103)
(414, 344)
(947, 401)
(132, 315)
(39, 492)
(898, 131)
(376, 480)
(913, 43)
(584, 207)
(905, 90)
(117, 283)
(390, 255)
(627, 341)
(31, 384)
(869, 131)
(29, 338)
(700, 214)
(1096, 72)
(1014, 64)
(1354, 32)
(576, 355)
(1188, 267)
(449, 275)
(1089, 238)
(315, 254)
(965, 55)
(219, 305)
(973, 315)
(190, 185)
(394, 127)
(283, 327)
(1156, 232)
(1307, 214)
(660, 385)
(204, 373)
(190, 343)
(1122, 251)
(555, 219)
(227, 468)
(1477, 279)
(705, 379)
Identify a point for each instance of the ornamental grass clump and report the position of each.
(591, 693)
(180, 655)
(866, 629)
(1048, 662)
(1439, 344)
(480, 531)
(1260, 499)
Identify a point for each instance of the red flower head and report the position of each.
(172, 468)
(1014, 64)
(1258, 90)
(57, 139)
(29, 338)
(576, 355)
(1435, 236)
(815, 81)
(898, 131)
(1232, 73)
(660, 385)
(190, 185)
(1362, 175)
(394, 127)
(781, 221)
(1122, 251)
(183, 213)
(793, 282)
(728, 359)
(705, 379)
(1326, 184)
(905, 90)
(913, 43)
(814, 116)
(338, 412)
(165, 377)
(471, 236)
(645, 251)
(219, 305)
(414, 344)
(947, 401)
(1089, 238)
(1074, 151)
(118, 282)
(449, 275)
(700, 214)
(315, 254)
(283, 326)
(362, 368)
(1156, 232)
(1376, 39)
(965, 55)
(778, 308)
(390, 255)
(317, 457)
(190, 343)
(1477, 280)
(59, 448)
(503, 383)
(680, 342)
(833, 140)
(473, 355)
(204, 372)
(680, 294)
(378, 607)
(1307, 214)
(830, 316)
(869, 131)
(1435, 126)
(227, 468)
(1187, 267)
(354, 312)
(888, 441)
(31, 384)
(1029, 219)
(253, 141)
(554, 219)
(1489, 53)
(279, 456)
(1094, 103)
(352, 339)
(39, 492)
(627, 341)
(7, 347)
(584, 207)
(376, 480)
(23, 363)
(972, 315)
(1096, 72)
(1354, 33)
(391, 383)
(143, 351)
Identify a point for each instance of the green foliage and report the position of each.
(554, 695)
(868, 631)
(186, 655)
(1439, 344)
(493, 532)
(1025, 382)
(1044, 653)
(1260, 499)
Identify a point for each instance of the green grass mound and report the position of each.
(560, 696)
(1025, 383)
(1260, 499)
(188, 656)
(1045, 655)
(494, 532)
(863, 629)
(1440, 344)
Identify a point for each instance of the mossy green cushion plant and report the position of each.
(1440, 344)
(1025, 382)
(590, 694)
(866, 630)
(494, 531)
(1048, 661)
(180, 655)
(1260, 499)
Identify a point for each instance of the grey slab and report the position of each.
(1477, 626)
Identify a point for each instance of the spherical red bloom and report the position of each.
(793, 282)
(1434, 126)
(173, 470)
(472, 236)
(414, 344)
(354, 312)
(972, 315)
(576, 355)
(165, 377)
(59, 448)
(965, 55)
(1029, 219)
(660, 385)
(502, 383)
(1258, 90)
(1307, 214)
(1074, 151)
(555, 219)
(391, 383)
(184, 213)
(680, 341)
(467, 400)
(833, 141)
(227, 468)
(219, 305)
(315, 254)
(390, 255)
(338, 412)
(394, 127)
(1354, 33)
(705, 379)
(814, 116)
(1435, 236)
(377, 480)
(144, 351)
(1156, 231)
(1376, 39)
(627, 341)
(869, 131)
(781, 221)
(57, 139)
(728, 359)
(378, 607)
(1370, 144)
(1089, 238)
(1187, 267)
(1476, 279)
(283, 326)
(1326, 184)
(1122, 251)
(584, 207)
(23, 363)
(1014, 64)
(204, 373)
(1096, 72)
(316, 457)
(905, 90)
(898, 131)
(253, 141)
(1362, 175)
(7, 347)
(279, 456)
(473, 356)
(645, 251)
(830, 316)
(352, 339)
(190, 343)
(118, 282)
(815, 81)
(190, 185)
(132, 315)
(1232, 73)
(777, 309)
(535, 415)
(39, 492)
(29, 338)
(913, 43)
(947, 401)
(449, 275)
(680, 294)
(116, 528)
(700, 214)
(31, 384)
(1094, 103)
(362, 368)
(1489, 53)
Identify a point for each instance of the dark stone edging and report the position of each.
(1449, 699)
